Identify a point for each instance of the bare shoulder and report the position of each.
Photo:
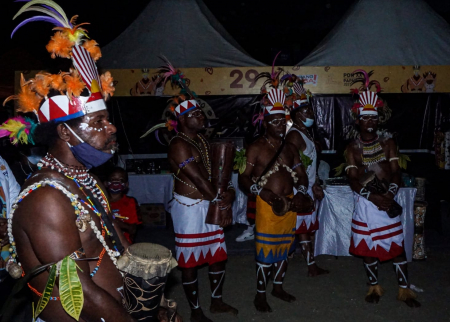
(291, 147)
(256, 146)
(390, 142)
(352, 147)
(178, 148)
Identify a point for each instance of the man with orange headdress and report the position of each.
(374, 174)
(63, 239)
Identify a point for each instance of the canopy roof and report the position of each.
(385, 32)
(185, 31)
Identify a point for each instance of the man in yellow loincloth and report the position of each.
(273, 169)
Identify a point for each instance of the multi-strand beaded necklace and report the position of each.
(83, 218)
(205, 159)
(372, 151)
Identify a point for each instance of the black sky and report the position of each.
(295, 27)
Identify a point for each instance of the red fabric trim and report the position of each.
(304, 230)
(359, 223)
(376, 230)
(200, 235)
(379, 252)
(208, 242)
(395, 233)
(219, 256)
(361, 232)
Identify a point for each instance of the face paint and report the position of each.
(84, 127)
(88, 155)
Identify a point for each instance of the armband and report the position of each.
(365, 193)
(186, 162)
(231, 186)
(350, 166)
(297, 165)
(302, 189)
(393, 159)
(393, 188)
(255, 189)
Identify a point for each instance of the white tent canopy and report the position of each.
(185, 31)
(385, 32)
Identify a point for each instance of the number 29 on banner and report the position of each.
(238, 75)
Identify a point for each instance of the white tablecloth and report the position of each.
(335, 220)
(157, 188)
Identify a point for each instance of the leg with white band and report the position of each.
(216, 280)
(262, 276)
(190, 285)
(308, 254)
(279, 271)
(375, 290)
(405, 294)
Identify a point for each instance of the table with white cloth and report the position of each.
(157, 188)
(335, 220)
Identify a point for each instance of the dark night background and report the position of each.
(261, 28)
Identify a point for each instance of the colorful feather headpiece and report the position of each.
(19, 129)
(67, 42)
(185, 101)
(368, 102)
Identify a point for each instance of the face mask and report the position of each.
(89, 156)
(34, 159)
(116, 186)
(308, 122)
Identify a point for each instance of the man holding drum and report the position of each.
(197, 243)
(374, 174)
(273, 170)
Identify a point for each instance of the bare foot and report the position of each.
(372, 298)
(412, 303)
(218, 306)
(283, 295)
(198, 316)
(314, 270)
(261, 304)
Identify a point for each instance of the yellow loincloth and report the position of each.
(274, 234)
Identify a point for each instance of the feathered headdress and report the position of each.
(368, 102)
(67, 42)
(272, 79)
(179, 104)
(19, 129)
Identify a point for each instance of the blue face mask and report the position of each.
(89, 156)
(308, 122)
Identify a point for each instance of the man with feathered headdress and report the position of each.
(196, 242)
(273, 168)
(61, 220)
(374, 173)
(302, 117)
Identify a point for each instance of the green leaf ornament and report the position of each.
(70, 289)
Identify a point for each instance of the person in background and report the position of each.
(124, 208)
(249, 233)
(9, 190)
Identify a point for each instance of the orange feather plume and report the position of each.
(94, 50)
(74, 84)
(107, 85)
(41, 84)
(28, 101)
(60, 45)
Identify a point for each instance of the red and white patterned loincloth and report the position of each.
(374, 233)
(196, 243)
(307, 222)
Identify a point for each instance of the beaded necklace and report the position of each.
(77, 174)
(81, 214)
(372, 151)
